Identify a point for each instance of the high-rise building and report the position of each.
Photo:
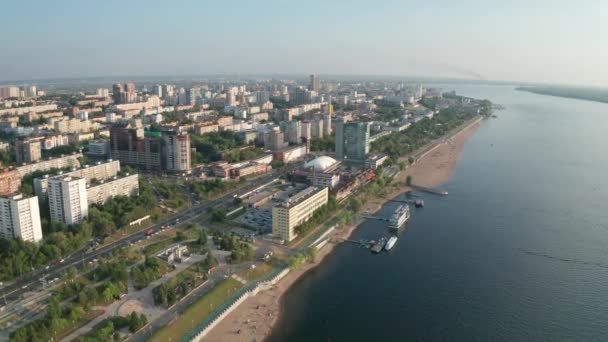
(68, 199)
(117, 91)
(317, 128)
(306, 130)
(9, 92)
(176, 151)
(103, 92)
(298, 96)
(315, 83)
(326, 124)
(276, 140)
(352, 140)
(32, 91)
(296, 210)
(193, 94)
(294, 131)
(155, 151)
(157, 90)
(28, 150)
(20, 218)
(130, 147)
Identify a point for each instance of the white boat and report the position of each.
(400, 216)
(390, 243)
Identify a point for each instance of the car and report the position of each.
(47, 267)
(61, 261)
(24, 287)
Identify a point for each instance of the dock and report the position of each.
(429, 190)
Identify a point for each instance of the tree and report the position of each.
(202, 238)
(134, 322)
(53, 309)
(210, 261)
(408, 180)
(402, 165)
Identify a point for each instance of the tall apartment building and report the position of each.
(352, 140)
(315, 83)
(297, 210)
(124, 93)
(10, 182)
(306, 131)
(68, 199)
(20, 218)
(130, 147)
(276, 140)
(28, 150)
(317, 128)
(294, 131)
(156, 151)
(176, 151)
(9, 92)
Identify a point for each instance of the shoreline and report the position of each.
(256, 317)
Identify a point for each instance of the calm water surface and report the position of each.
(517, 251)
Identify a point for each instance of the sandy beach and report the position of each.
(254, 319)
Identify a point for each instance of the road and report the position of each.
(31, 282)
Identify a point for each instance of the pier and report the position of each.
(429, 190)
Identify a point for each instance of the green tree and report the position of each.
(408, 180)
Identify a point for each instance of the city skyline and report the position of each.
(472, 40)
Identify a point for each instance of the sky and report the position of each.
(538, 41)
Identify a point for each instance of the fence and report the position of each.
(237, 298)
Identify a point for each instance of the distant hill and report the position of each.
(590, 94)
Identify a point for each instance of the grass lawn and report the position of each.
(197, 312)
(256, 273)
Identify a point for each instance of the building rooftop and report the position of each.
(321, 163)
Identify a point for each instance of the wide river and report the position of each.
(518, 251)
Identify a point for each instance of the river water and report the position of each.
(517, 251)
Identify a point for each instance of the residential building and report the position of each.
(20, 218)
(116, 186)
(68, 199)
(317, 128)
(69, 161)
(176, 151)
(315, 83)
(10, 182)
(28, 150)
(352, 140)
(297, 210)
(98, 172)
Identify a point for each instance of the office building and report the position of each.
(176, 156)
(98, 148)
(315, 83)
(68, 199)
(28, 150)
(20, 218)
(296, 210)
(352, 140)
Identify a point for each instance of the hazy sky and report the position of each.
(531, 40)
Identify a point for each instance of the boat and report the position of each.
(390, 243)
(419, 203)
(399, 217)
(378, 246)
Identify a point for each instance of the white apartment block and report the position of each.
(20, 218)
(68, 200)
